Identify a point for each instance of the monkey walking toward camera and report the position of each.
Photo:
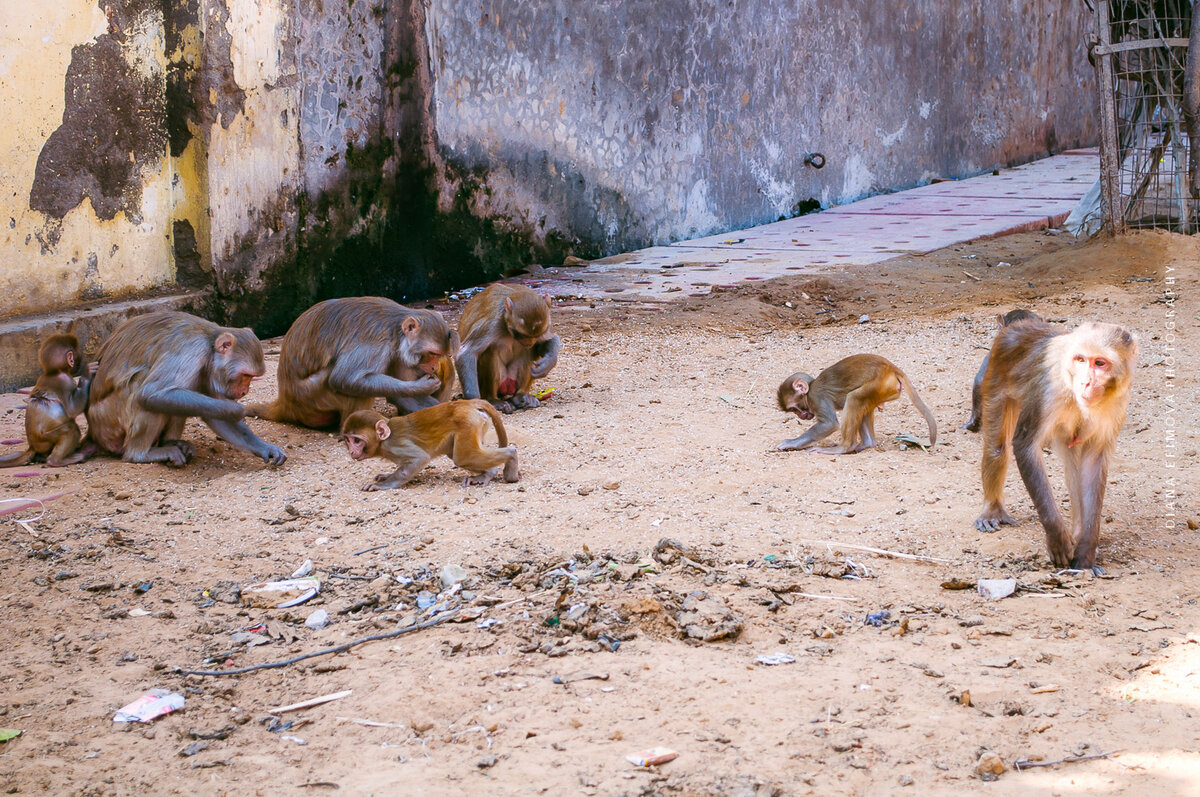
(455, 429)
(50, 427)
(858, 384)
(1045, 386)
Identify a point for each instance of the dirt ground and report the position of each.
(619, 596)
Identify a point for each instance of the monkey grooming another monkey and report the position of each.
(1011, 317)
(1068, 390)
(341, 354)
(159, 369)
(506, 344)
(455, 429)
(50, 428)
(859, 383)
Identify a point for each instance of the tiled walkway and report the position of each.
(1028, 197)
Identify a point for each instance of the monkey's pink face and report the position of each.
(429, 361)
(1091, 376)
(357, 446)
(239, 386)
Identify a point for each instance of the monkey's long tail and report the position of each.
(920, 405)
(490, 411)
(17, 460)
(277, 410)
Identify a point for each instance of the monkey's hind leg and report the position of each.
(64, 452)
(145, 430)
(484, 464)
(999, 424)
(855, 425)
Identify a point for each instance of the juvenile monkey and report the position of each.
(1068, 390)
(455, 429)
(55, 400)
(1011, 317)
(859, 383)
(506, 344)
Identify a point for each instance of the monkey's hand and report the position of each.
(273, 455)
(426, 385)
(92, 368)
(542, 366)
(792, 445)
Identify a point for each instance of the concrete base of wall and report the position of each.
(21, 336)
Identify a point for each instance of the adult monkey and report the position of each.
(159, 369)
(341, 354)
(506, 344)
(1068, 390)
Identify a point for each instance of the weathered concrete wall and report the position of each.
(84, 188)
(281, 151)
(631, 122)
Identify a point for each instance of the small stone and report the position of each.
(428, 539)
(453, 574)
(381, 583)
(863, 319)
(989, 764)
(1193, 523)
(486, 763)
(193, 748)
(420, 724)
(906, 780)
(225, 592)
(317, 620)
(611, 485)
(585, 490)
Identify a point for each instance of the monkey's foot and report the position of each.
(791, 445)
(973, 424)
(479, 479)
(838, 450)
(524, 401)
(992, 520)
(512, 471)
(503, 406)
(187, 449)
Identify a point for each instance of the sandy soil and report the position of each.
(661, 428)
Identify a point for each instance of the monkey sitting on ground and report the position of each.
(1011, 317)
(455, 429)
(859, 383)
(55, 400)
(1066, 390)
(506, 344)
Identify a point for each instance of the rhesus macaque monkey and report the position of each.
(55, 400)
(859, 383)
(159, 369)
(1011, 317)
(341, 354)
(455, 429)
(506, 344)
(1067, 390)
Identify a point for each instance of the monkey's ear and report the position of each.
(800, 386)
(508, 304)
(382, 430)
(455, 343)
(547, 298)
(70, 360)
(999, 320)
(409, 326)
(224, 343)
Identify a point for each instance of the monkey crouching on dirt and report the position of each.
(1045, 386)
(455, 429)
(50, 427)
(858, 384)
(159, 369)
(506, 344)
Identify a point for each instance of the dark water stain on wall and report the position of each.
(113, 127)
(200, 86)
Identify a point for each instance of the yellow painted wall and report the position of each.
(44, 262)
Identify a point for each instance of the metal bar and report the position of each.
(1111, 206)
(1137, 44)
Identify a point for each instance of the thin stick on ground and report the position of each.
(881, 551)
(441, 618)
(1027, 764)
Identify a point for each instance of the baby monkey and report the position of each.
(55, 400)
(860, 383)
(455, 429)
